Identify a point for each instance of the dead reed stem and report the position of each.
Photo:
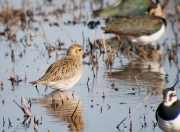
(67, 34)
(29, 112)
(6, 71)
(146, 87)
(137, 81)
(44, 34)
(105, 47)
(139, 57)
(21, 107)
(132, 112)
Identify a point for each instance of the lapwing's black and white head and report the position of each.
(169, 97)
(168, 112)
(155, 9)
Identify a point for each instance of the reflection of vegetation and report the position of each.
(65, 106)
(154, 79)
(146, 68)
(151, 72)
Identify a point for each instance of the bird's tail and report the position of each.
(34, 83)
(106, 30)
(96, 13)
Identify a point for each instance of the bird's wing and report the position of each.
(124, 8)
(61, 69)
(135, 25)
(108, 11)
(134, 7)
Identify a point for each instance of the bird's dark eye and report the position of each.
(171, 95)
(79, 49)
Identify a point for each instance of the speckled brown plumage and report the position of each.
(65, 72)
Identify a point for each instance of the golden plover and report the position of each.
(65, 72)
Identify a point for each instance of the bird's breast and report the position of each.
(169, 126)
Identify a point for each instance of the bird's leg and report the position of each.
(120, 43)
(119, 38)
(45, 90)
(131, 45)
(154, 45)
(58, 90)
(63, 90)
(36, 88)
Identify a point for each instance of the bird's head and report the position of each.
(156, 9)
(169, 96)
(75, 50)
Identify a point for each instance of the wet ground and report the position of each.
(102, 98)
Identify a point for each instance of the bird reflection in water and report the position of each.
(65, 106)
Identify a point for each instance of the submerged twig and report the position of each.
(10, 123)
(140, 121)
(132, 112)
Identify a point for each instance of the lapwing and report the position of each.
(141, 29)
(168, 112)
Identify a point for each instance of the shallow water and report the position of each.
(94, 112)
